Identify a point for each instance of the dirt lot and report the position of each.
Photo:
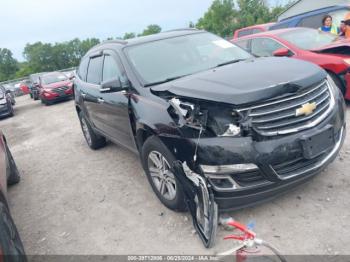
(73, 200)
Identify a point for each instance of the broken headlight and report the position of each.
(216, 118)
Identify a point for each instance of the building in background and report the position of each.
(303, 6)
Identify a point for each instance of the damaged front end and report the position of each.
(196, 121)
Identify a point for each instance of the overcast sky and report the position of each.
(28, 21)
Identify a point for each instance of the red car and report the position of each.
(324, 49)
(54, 87)
(252, 30)
(11, 247)
(24, 86)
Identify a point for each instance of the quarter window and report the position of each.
(94, 75)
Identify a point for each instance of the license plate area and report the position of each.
(318, 143)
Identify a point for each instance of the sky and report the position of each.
(50, 21)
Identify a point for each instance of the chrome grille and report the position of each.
(60, 89)
(279, 117)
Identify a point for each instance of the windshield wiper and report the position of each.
(164, 81)
(230, 62)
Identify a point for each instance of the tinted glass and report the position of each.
(110, 68)
(308, 38)
(94, 75)
(83, 68)
(264, 46)
(183, 55)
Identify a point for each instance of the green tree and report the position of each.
(151, 29)
(8, 65)
(129, 36)
(220, 18)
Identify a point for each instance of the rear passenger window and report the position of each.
(83, 68)
(110, 68)
(94, 75)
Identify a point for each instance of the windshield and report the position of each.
(175, 57)
(53, 78)
(308, 39)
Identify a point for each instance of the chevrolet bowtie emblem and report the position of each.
(306, 109)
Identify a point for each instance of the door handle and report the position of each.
(83, 95)
(100, 100)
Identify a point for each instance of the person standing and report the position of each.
(347, 25)
(327, 25)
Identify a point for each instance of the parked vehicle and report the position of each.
(10, 92)
(6, 103)
(306, 44)
(54, 87)
(24, 85)
(34, 86)
(252, 30)
(313, 19)
(10, 242)
(214, 127)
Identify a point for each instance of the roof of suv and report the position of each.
(149, 38)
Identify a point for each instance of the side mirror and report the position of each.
(111, 85)
(282, 52)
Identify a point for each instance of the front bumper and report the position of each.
(280, 159)
(56, 97)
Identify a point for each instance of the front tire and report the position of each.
(94, 141)
(10, 243)
(14, 176)
(157, 161)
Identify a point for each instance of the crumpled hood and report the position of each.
(57, 84)
(248, 81)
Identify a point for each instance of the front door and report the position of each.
(114, 106)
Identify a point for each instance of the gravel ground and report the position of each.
(73, 200)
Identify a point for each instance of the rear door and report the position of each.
(114, 106)
(91, 90)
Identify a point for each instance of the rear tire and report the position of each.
(338, 82)
(161, 177)
(94, 141)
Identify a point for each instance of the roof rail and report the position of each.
(182, 29)
(116, 41)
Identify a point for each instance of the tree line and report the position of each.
(222, 18)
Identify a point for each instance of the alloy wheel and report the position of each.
(161, 174)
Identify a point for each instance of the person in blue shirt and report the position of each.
(327, 25)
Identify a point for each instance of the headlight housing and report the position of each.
(215, 118)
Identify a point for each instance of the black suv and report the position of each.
(215, 128)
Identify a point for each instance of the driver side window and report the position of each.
(110, 68)
(264, 47)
